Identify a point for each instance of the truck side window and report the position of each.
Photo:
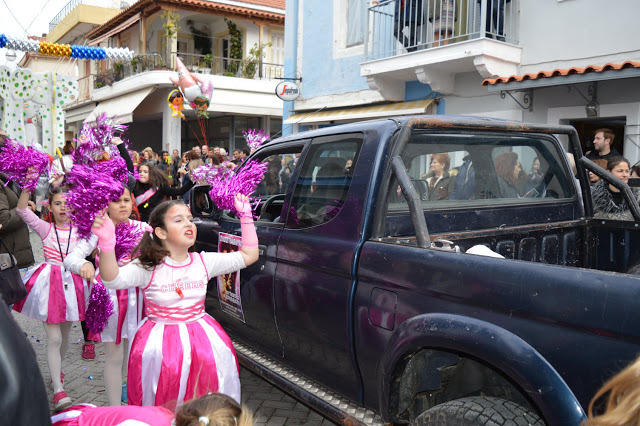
(324, 180)
(450, 170)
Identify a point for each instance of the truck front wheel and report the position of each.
(478, 411)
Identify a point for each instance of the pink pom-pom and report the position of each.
(255, 138)
(225, 186)
(22, 165)
(127, 238)
(100, 308)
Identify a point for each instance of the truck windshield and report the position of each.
(449, 170)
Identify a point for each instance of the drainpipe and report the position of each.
(291, 64)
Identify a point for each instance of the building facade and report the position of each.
(366, 59)
(237, 45)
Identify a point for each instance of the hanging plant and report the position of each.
(201, 40)
(235, 49)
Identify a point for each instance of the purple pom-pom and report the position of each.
(95, 140)
(22, 165)
(100, 308)
(89, 193)
(255, 138)
(127, 238)
(225, 186)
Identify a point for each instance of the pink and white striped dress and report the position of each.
(179, 352)
(54, 294)
(127, 303)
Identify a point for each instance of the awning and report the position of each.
(79, 113)
(126, 24)
(360, 113)
(121, 107)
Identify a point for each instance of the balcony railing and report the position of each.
(202, 64)
(71, 5)
(396, 27)
(84, 87)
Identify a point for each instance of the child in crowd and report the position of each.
(56, 296)
(211, 410)
(127, 304)
(178, 352)
(151, 189)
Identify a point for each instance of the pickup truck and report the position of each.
(372, 301)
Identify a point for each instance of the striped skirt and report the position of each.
(173, 363)
(54, 295)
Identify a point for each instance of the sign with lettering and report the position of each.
(287, 90)
(229, 284)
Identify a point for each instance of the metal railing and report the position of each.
(73, 3)
(85, 85)
(396, 27)
(202, 64)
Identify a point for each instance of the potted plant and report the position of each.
(235, 48)
(134, 64)
(254, 60)
(118, 68)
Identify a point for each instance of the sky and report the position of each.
(31, 15)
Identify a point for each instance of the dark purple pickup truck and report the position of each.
(400, 286)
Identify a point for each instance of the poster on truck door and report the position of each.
(229, 284)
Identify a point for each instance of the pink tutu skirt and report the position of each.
(173, 363)
(54, 295)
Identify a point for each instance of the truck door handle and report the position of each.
(262, 250)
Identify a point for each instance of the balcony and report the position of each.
(78, 17)
(432, 40)
(201, 64)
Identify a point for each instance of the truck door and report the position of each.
(250, 317)
(315, 255)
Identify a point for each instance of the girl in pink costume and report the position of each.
(127, 303)
(211, 410)
(178, 352)
(56, 296)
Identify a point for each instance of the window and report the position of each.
(452, 170)
(324, 180)
(355, 30)
(273, 187)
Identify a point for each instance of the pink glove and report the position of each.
(243, 206)
(104, 228)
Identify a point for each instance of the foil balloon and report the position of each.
(176, 103)
(190, 84)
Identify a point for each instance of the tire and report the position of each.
(478, 411)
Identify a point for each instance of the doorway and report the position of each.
(586, 128)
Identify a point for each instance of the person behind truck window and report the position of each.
(440, 182)
(510, 174)
(619, 399)
(534, 185)
(635, 171)
(608, 201)
(594, 178)
(464, 187)
(602, 141)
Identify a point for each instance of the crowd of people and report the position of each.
(161, 348)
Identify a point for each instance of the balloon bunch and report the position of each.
(255, 138)
(22, 165)
(65, 50)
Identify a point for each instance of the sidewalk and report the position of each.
(84, 379)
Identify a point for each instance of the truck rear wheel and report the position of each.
(478, 411)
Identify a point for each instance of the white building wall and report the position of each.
(566, 33)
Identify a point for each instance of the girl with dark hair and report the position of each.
(55, 295)
(608, 201)
(127, 304)
(185, 352)
(151, 189)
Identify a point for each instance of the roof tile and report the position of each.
(562, 72)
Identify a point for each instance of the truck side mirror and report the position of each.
(200, 203)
